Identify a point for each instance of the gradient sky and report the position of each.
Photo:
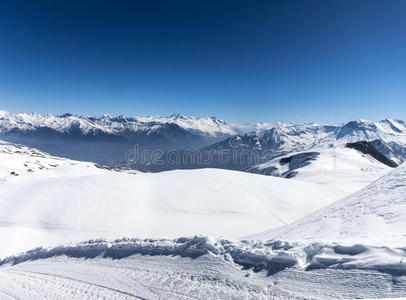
(244, 61)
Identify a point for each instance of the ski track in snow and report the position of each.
(210, 274)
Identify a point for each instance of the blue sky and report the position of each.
(244, 61)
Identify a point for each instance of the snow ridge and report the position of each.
(271, 256)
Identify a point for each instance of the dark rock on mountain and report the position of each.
(369, 149)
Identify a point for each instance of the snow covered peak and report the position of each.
(4, 114)
(32, 121)
(367, 130)
(210, 126)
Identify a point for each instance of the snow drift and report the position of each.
(271, 256)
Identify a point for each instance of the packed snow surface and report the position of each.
(47, 200)
(375, 215)
(203, 268)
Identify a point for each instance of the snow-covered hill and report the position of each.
(375, 215)
(336, 166)
(49, 200)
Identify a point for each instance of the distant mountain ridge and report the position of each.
(388, 136)
(210, 126)
(107, 139)
(254, 148)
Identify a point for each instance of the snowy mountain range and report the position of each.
(245, 151)
(107, 139)
(209, 126)
(388, 135)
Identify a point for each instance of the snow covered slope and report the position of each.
(336, 166)
(54, 200)
(376, 215)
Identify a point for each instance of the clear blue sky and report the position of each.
(244, 61)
